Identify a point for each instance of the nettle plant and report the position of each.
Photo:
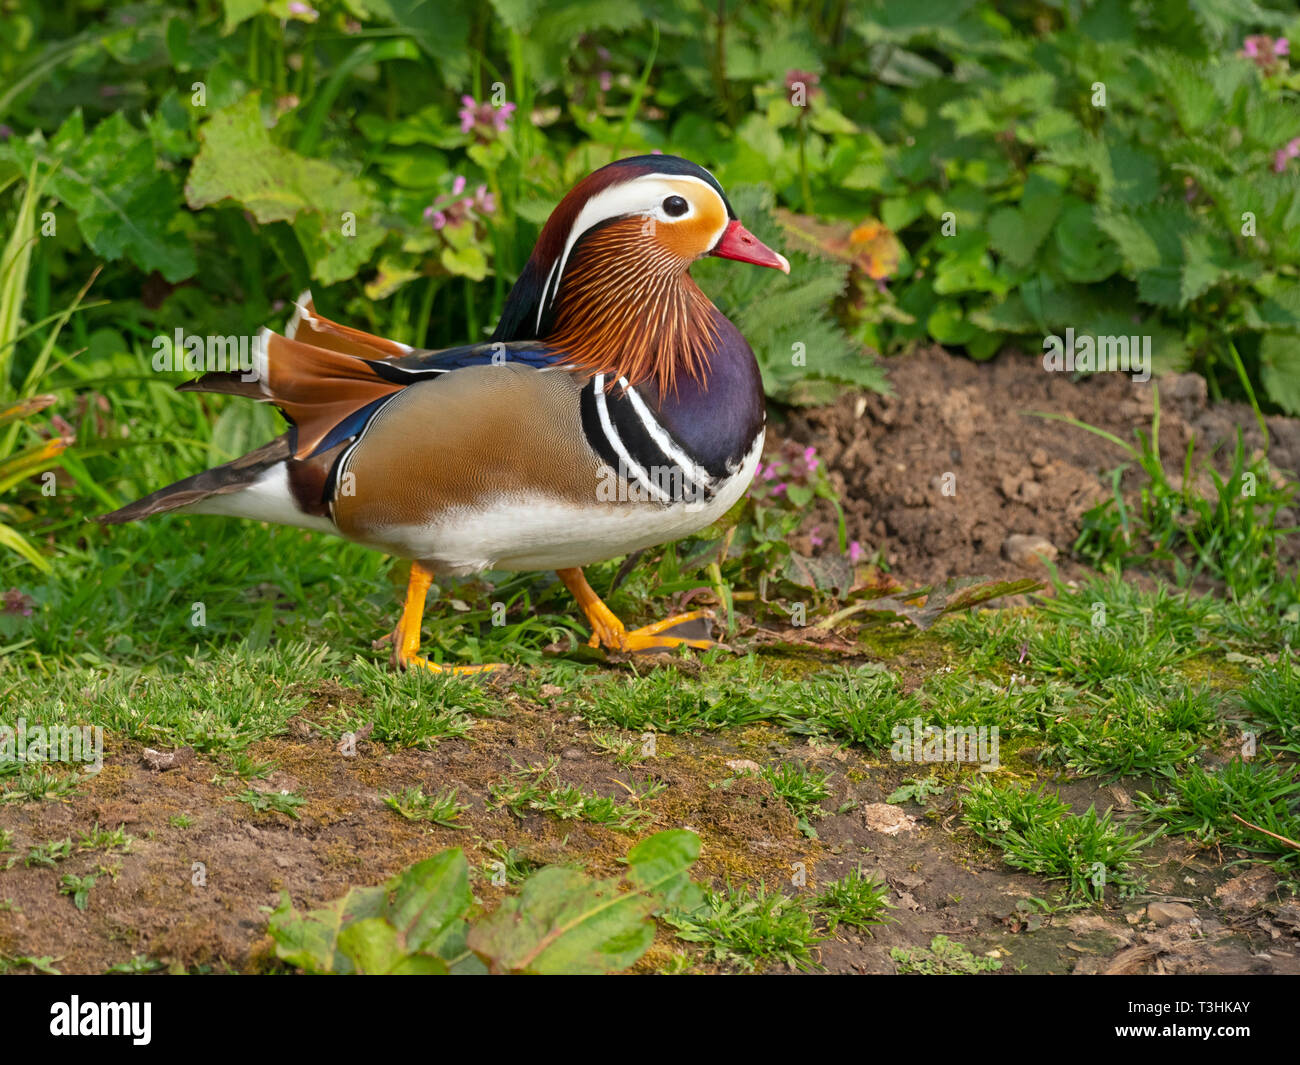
(1129, 172)
(426, 921)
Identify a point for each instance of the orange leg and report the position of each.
(406, 638)
(608, 632)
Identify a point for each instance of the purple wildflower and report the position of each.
(483, 118)
(15, 602)
(1285, 155)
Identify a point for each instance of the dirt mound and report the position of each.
(939, 476)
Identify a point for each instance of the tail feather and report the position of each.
(310, 327)
(320, 375)
(221, 480)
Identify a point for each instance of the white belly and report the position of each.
(539, 534)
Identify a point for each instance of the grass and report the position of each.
(1272, 702)
(1202, 803)
(943, 957)
(537, 788)
(415, 805)
(802, 789)
(1134, 727)
(859, 706)
(747, 928)
(280, 802)
(1036, 832)
(857, 901)
(1232, 533)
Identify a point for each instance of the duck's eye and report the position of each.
(675, 206)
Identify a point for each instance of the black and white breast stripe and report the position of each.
(624, 432)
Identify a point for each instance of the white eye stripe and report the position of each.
(640, 196)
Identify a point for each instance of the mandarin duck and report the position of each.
(613, 409)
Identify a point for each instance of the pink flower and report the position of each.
(501, 116)
(1285, 155)
(807, 78)
(855, 551)
(1266, 52)
(483, 117)
(454, 208)
(296, 7)
(15, 602)
(467, 113)
(810, 458)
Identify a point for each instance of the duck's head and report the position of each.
(609, 278)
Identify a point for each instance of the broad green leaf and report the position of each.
(1279, 357)
(564, 922)
(307, 941)
(1087, 254)
(240, 428)
(1017, 232)
(237, 12)
(377, 948)
(429, 900)
(334, 216)
(125, 206)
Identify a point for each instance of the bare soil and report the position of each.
(1012, 473)
(196, 896)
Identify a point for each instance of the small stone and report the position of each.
(886, 819)
(1167, 913)
(1038, 458)
(1028, 551)
(160, 761)
(571, 754)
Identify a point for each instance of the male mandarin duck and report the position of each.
(613, 409)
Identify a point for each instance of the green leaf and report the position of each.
(564, 922)
(125, 207)
(307, 941)
(336, 220)
(237, 12)
(1087, 254)
(240, 428)
(428, 902)
(1017, 232)
(947, 325)
(661, 864)
(1279, 357)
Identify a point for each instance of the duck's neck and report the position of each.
(718, 419)
(630, 315)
